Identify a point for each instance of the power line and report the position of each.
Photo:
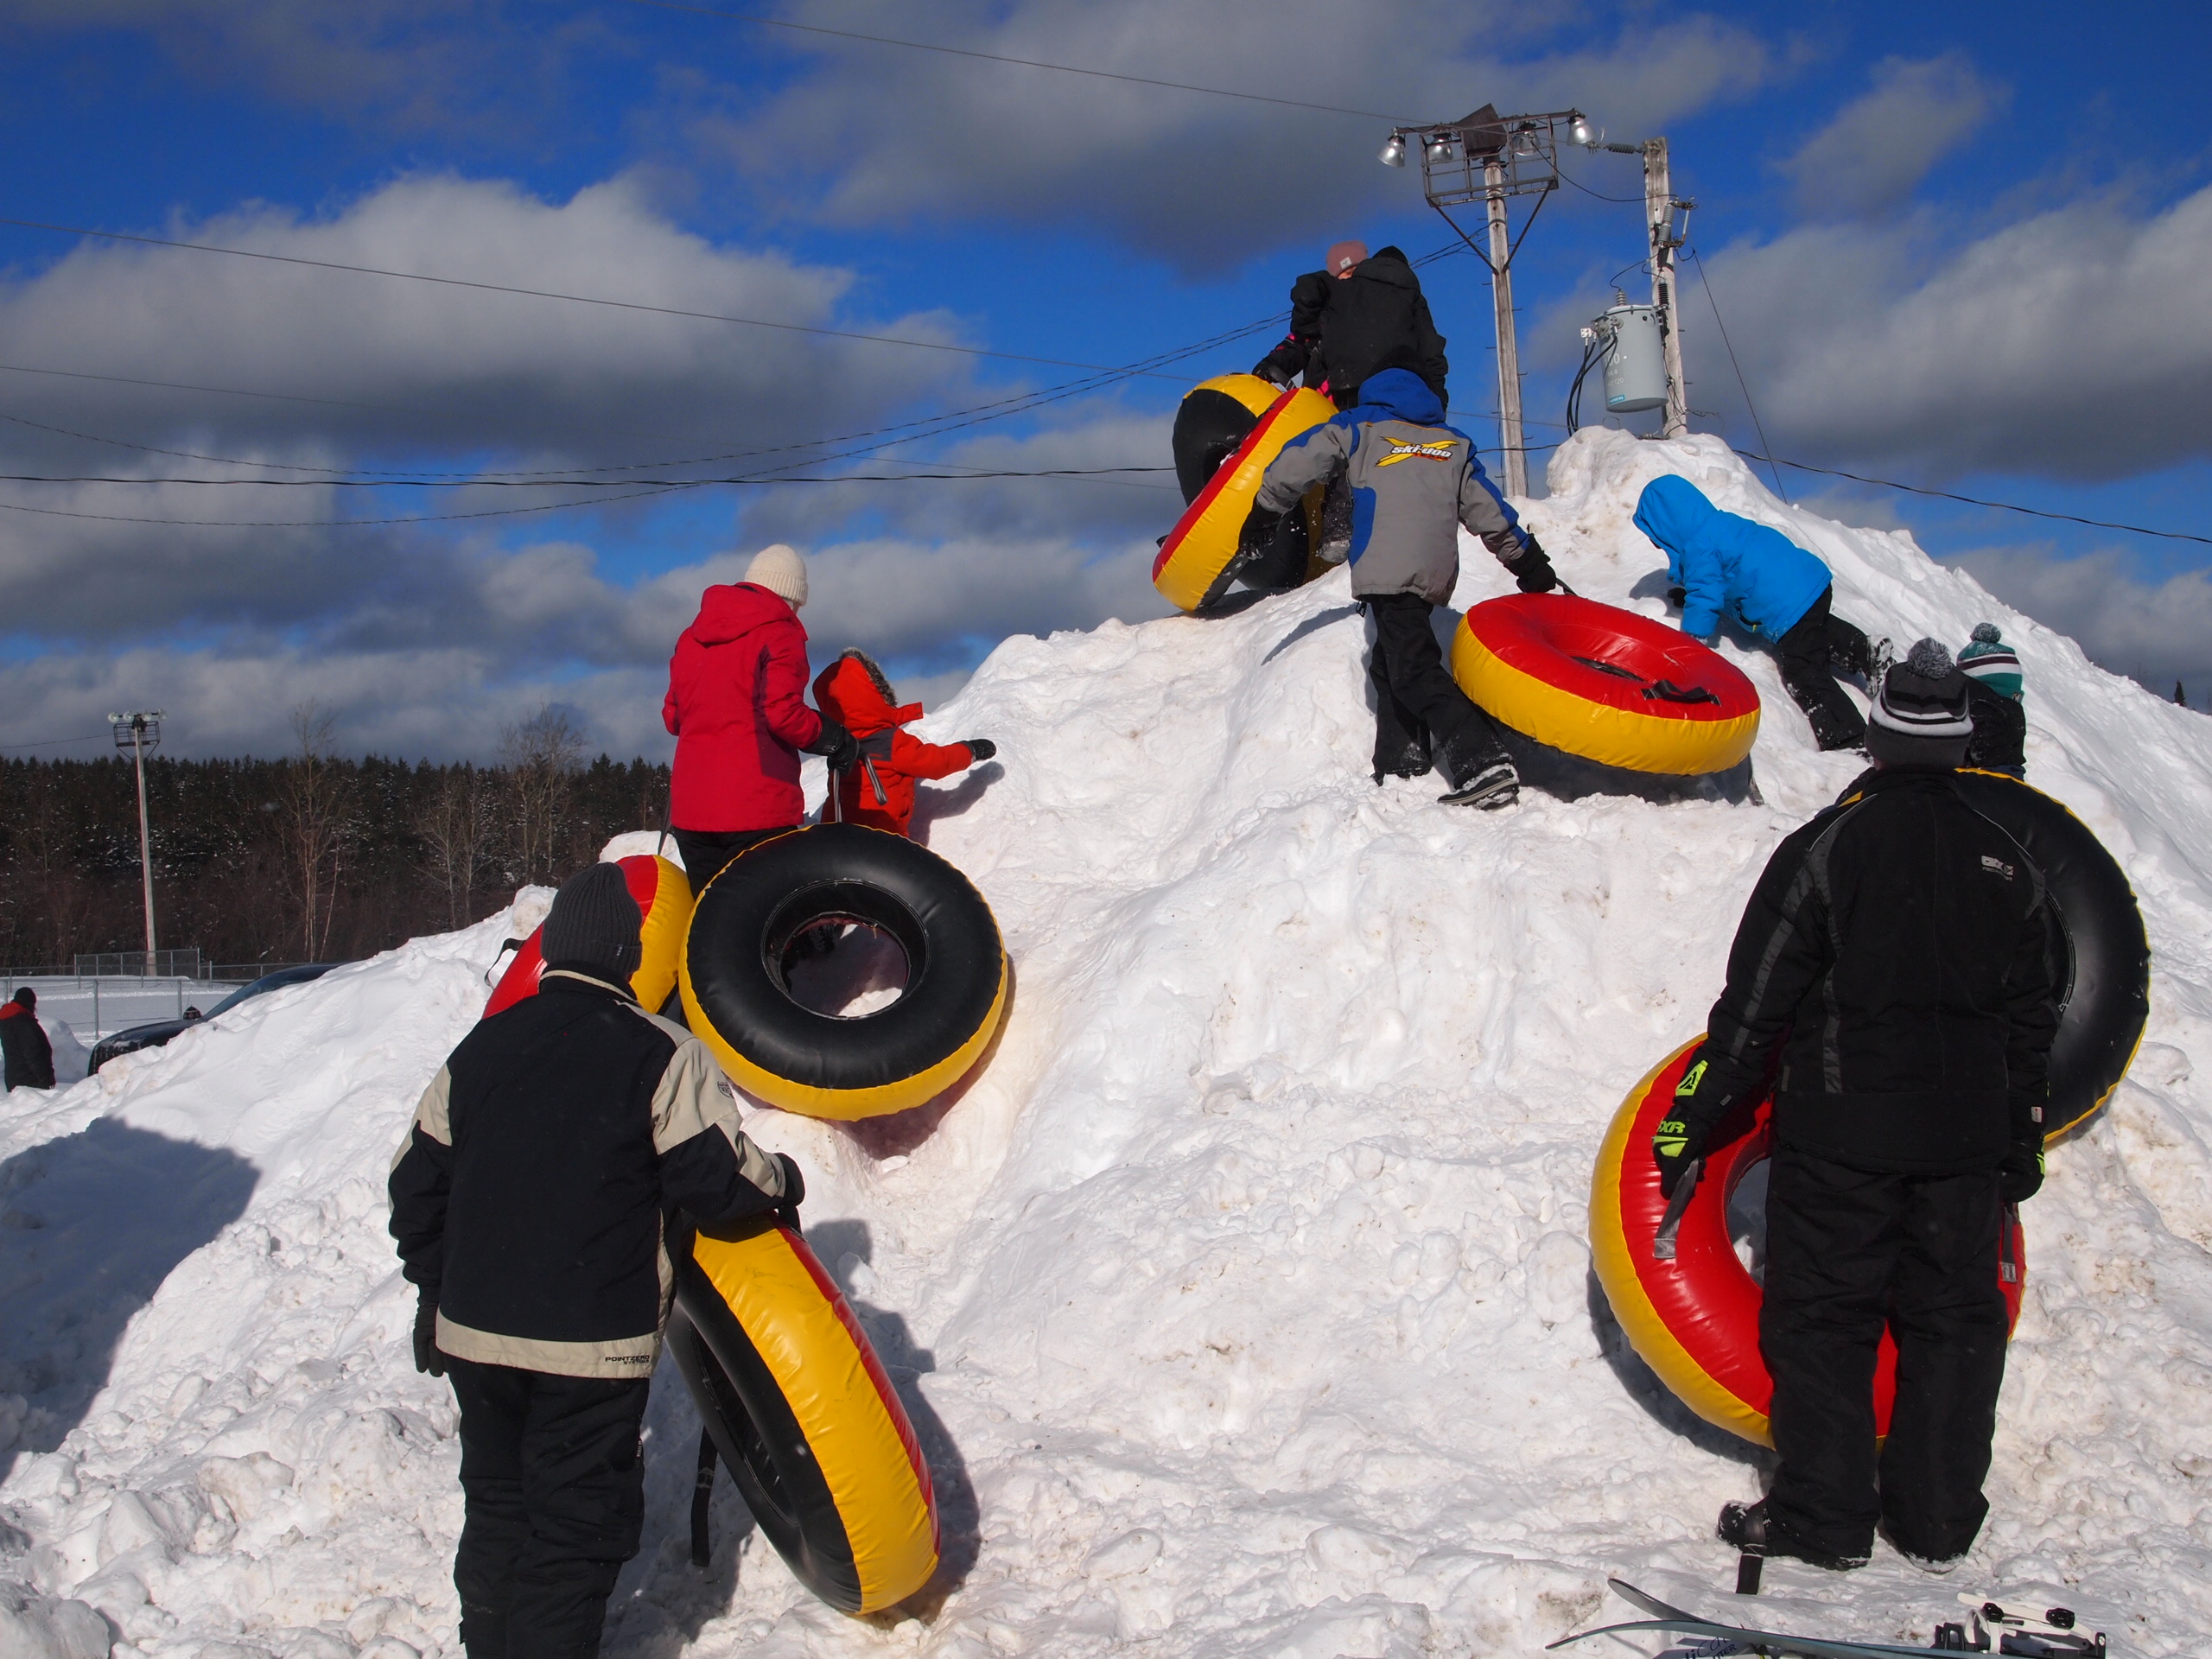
(53, 742)
(669, 486)
(435, 483)
(1976, 501)
(1706, 282)
(1025, 63)
(571, 299)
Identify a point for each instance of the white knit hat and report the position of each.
(782, 571)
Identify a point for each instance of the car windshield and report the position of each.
(267, 982)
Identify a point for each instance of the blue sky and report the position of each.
(1961, 246)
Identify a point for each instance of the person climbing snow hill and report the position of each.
(1893, 973)
(27, 1056)
(879, 790)
(1361, 315)
(1721, 564)
(1994, 690)
(1414, 481)
(736, 706)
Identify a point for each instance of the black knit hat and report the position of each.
(595, 922)
(1920, 715)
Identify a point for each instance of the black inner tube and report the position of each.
(750, 914)
(746, 1416)
(2101, 959)
(1210, 426)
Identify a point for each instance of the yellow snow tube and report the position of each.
(790, 1392)
(1192, 568)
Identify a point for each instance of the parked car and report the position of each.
(131, 1038)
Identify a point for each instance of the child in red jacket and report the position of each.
(879, 790)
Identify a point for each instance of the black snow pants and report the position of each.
(1420, 714)
(1848, 1252)
(708, 853)
(1816, 645)
(555, 1499)
(1999, 742)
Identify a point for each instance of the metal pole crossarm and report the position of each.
(140, 732)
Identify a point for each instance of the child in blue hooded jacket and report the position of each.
(1721, 564)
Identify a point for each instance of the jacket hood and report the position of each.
(1388, 265)
(1672, 511)
(729, 610)
(853, 692)
(1404, 394)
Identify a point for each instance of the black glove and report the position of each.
(1532, 571)
(2019, 1178)
(981, 749)
(1678, 597)
(836, 745)
(1680, 1140)
(427, 1357)
(794, 1191)
(1258, 532)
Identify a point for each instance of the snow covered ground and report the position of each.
(1241, 1301)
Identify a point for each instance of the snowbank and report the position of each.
(1242, 1302)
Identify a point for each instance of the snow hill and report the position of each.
(1242, 1301)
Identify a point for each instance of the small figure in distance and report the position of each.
(1719, 563)
(880, 792)
(1420, 480)
(26, 1056)
(1358, 315)
(533, 1202)
(1892, 972)
(1994, 690)
(736, 705)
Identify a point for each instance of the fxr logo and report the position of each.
(1997, 867)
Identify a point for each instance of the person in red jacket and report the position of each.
(736, 705)
(880, 792)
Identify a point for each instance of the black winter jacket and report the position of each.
(1343, 330)
(25, 1056)
(1899, 952)
(530, 1195)
(2001, 730)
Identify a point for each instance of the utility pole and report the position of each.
(1659, 219)
(1509, 349)
(141, 733)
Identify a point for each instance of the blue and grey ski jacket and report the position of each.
(1415, 480)
(1728, 563)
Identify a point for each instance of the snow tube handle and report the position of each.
(1663, 1242)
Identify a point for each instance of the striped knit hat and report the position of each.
(1919, 716)
(1989, 660)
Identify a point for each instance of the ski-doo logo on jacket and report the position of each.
(1403, 451)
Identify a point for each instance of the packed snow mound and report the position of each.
(1241, 1301)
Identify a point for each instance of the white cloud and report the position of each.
(1879, 146)
(2158, 630)
(880, 135)
(2075, 343)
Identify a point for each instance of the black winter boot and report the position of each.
(1493, 786)
(1750, 1528)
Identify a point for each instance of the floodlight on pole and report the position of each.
(140, 732)
(1580, 131)
(1394, 153)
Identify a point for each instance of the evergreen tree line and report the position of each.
(312, 858)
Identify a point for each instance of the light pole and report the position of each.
(1518, 155)
(140, 732)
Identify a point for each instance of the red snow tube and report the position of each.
(1605, 683)
(663, 897)
(1692, 1316)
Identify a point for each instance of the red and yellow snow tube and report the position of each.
(1605, 683)
(1694, 1317)
(663, 897)
(1192, 568)
(798, 1408)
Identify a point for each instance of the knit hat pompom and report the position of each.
(1985, 633)
(1929, 659)
(595, 922)
(782, 571)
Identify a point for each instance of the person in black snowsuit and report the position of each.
(1994, 690)
(1895, 963)
(29, 1058)
(531, 1202)
(1364, 314)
